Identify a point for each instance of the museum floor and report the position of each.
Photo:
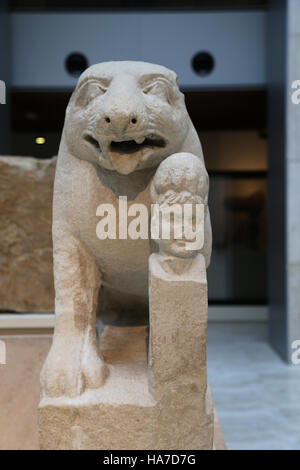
(256, 395)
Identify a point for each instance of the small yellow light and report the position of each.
(40, 140)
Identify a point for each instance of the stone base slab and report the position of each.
(122, 414)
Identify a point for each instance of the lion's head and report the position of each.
(126, 116)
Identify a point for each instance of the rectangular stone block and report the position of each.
(178, 322)
(123, 414)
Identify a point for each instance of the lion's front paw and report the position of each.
(70, 372)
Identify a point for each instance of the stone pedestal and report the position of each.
(177, 352)
(178, 321)
(123, 414)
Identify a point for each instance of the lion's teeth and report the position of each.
(140, 140)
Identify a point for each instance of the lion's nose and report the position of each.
(120, 122)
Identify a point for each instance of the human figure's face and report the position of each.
(186, 231)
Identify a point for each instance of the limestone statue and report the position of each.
(182, 179)
(127, 133)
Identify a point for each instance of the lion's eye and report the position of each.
(158, 89)
(89, 92)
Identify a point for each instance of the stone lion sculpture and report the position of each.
(122, 121)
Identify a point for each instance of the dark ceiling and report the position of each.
(134, 4)
(41, 111)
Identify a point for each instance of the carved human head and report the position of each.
(180, 191)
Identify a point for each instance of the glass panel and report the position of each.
(238, 207)
(234, 150)
(237, 166)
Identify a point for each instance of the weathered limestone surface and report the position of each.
(123, 414)
(127, 133)
(178, 309)
(177, 346)
(18, 417)
(26, 272)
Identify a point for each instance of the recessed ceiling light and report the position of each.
(40, 140)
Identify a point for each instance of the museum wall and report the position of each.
(292, 162)
(227, 106)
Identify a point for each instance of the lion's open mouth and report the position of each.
(90, 139)
(127, 147)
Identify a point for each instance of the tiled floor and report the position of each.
(19, 392)
(256, 395)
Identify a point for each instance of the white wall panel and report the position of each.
(235, 39)
(41, 43)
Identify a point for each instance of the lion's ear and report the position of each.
(71, 100)
(175, 76)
